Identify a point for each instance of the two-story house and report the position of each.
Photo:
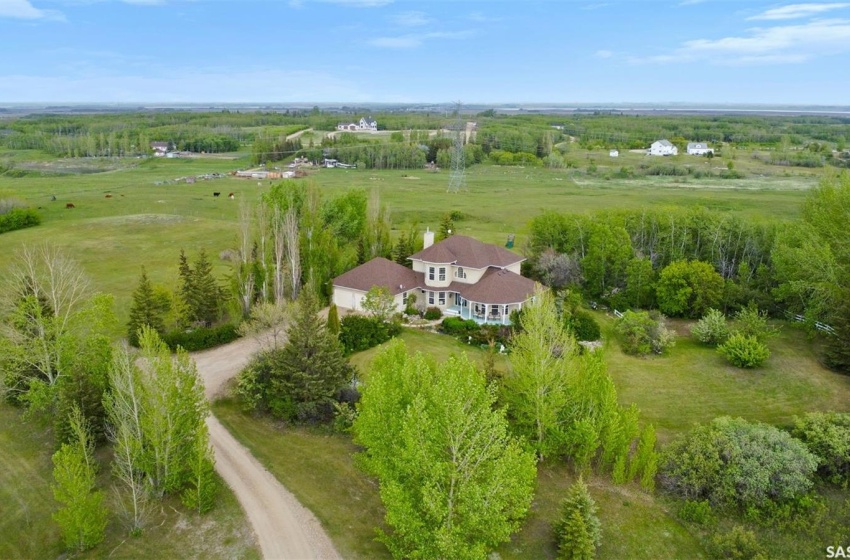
(460, 275)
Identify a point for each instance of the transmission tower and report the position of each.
(457, 179)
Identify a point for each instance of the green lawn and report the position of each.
(26, 504)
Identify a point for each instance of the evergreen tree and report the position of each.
(838, 344)
(145, 309)
(333, 319)
(205, 292)
(186, 278)
(309, 370)
(578, 531)
(82, 517)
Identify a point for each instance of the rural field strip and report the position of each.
(285, 529)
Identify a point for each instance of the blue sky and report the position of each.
(595, 51)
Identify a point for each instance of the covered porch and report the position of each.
(484, 313)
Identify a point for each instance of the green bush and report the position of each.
(201, 338)
(584, 326)
(735, 462)
(358, 332)
(19, 218)
(749, 321)
(433, 313)
(744, 351)
(697, 511)
(688, 288)
(455, 326)
(712, 328)
(642, 333)
(739, 544)
(827, 435)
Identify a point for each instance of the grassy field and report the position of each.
(26, 504)
(150, 215)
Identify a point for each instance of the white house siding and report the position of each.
(436, 283)
(516, 268)
(348, 298)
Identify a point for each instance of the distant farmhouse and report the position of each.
(663, 148)
(460, 275)
(699, 149)
(614, 153)
(159, 148)
(366, 124)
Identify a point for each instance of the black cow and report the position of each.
(216, 194)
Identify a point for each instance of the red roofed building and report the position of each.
(460, 275)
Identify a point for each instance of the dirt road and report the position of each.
(285, 529)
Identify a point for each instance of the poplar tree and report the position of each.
(202, 485)
(83, 516)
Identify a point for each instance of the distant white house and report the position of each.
(159, 148)
(614, 153)
(699, 149)
(663, 148)
(365, 124)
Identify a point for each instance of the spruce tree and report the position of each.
(447, 227)
(573, 536)
(186, 279)
(310, 369)
(205, 292)
(145, 310)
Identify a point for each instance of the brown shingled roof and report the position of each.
(378, 272)
(466, 251)
(499, 286)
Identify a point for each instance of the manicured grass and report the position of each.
(26, 501)
(694, 384)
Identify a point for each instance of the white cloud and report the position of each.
(604, 54)
(796, 11)
(766, 45)
(23, 9)
(410, 19)
(413, 40)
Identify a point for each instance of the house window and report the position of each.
(459, 273)
(442, 274)
(430, 298)
(430, 273)
(442, 298)
(404, 298)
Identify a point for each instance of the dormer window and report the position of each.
(459, 273)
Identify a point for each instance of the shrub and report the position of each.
(455, 326)
(749, 321)
(739, 544)
(734, 462)
(744, 351)
(827, 435)
(584, 326)
(697, 511)
(712, 328)
(642, 333)
(433, 313)
(358, 333)
(201, 338)
(19, 218)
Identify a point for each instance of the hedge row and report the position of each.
(19, 218)
(201, 338)
(358, 333)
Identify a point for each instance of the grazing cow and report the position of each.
(70, 205)
(109, 196)
(231, 196)
(216, 194)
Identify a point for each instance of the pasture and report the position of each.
(150, 214)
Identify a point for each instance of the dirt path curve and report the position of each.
(285, 529)
(295, 135)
